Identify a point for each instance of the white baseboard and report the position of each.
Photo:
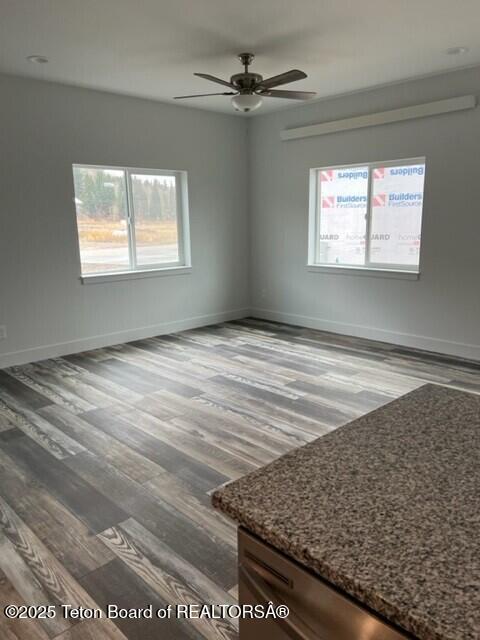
(108, 339)
(458, 349)
(426, 343)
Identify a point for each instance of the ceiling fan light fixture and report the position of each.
(246, 102)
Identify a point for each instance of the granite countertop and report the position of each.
(386, 508)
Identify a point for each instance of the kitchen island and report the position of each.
(386, 509)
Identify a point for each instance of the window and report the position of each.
(130, 220)
(367, 216)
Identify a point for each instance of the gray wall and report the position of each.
(441, 311)
(47, 127)
(238, 185)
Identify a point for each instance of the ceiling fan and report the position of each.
(249, 88)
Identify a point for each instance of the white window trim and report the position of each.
(358, 270)
(114, 276)
(184, 263)
(376, 269)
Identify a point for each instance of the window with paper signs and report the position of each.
(367, 216)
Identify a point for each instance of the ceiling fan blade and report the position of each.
(292, 95)
(204, 95)
(207, 76)
(282, 78)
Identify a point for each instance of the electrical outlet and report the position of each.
(3, 332)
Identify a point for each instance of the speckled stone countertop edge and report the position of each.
(366, 595)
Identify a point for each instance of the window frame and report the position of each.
(368, 267)
(182, 265)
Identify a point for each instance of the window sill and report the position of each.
(135, 275)
(398, 274)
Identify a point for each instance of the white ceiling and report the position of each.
(151, 48)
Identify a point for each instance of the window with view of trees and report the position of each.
(367, 215)
(129, 219)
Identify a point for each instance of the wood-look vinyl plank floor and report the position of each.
(108, 459)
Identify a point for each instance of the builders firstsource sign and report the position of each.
(395, 211)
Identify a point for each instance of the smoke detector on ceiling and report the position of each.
(38, 59)
(457, 51)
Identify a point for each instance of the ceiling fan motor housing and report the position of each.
(246, 82)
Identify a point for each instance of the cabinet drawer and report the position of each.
(317, 610)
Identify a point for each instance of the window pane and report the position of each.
(100, 200)
(397, 199)
(342, 206)
(155, 207)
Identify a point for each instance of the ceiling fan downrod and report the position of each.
(246, 59)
